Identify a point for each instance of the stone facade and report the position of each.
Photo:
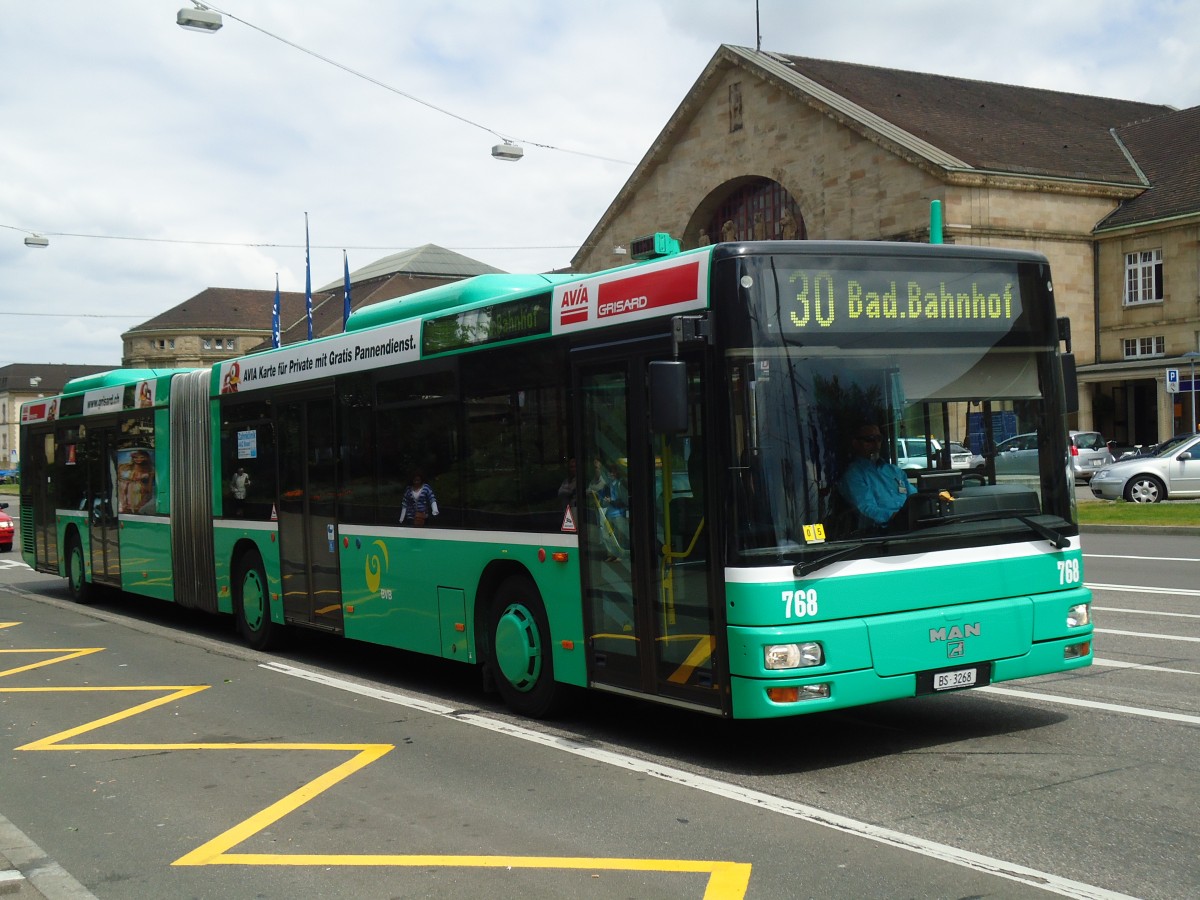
(853, 175)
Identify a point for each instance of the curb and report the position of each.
(1140, 529)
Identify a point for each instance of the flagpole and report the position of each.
(307, 279)
(346, 290)
(275, 316)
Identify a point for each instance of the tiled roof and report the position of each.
(428, 259)
(229, 308)
(1167, 150)
(988, 126)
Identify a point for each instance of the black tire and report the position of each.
(82, 590)
(252, 604)
(520, 654)
(1145, 489)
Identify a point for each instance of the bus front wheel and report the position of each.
(520, 653)
(252, 597)
(82, 590)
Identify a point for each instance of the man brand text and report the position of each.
(953, 633)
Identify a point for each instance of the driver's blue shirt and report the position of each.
(876, 488)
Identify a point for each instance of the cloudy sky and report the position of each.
(159, 161)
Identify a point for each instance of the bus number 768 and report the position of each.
(799, 604)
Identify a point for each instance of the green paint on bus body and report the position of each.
(876, 636)
(430, 595)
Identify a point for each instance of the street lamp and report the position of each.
(199, 19)
(1191, 356)
(36, 240)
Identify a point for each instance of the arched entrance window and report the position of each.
(759, 209)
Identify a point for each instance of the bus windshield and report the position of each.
(950, 362)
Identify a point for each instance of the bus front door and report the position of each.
(649, 608)
(308, 533)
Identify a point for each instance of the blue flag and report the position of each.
(275, 315)
(307, 279)
(346, 291)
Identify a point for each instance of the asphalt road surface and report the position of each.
(147, 754)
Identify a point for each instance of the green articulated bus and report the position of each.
(629, 480)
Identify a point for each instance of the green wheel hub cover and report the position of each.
(254, 601)
(518, 647)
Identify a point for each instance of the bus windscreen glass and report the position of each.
(949, 362)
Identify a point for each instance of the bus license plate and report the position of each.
(959, 678)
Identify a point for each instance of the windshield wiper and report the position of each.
(1057, 538)
(820, 561)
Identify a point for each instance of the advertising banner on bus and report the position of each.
(674, 285)
(351, 352)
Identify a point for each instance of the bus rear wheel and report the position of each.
(252, 604)
(520, 652)
(82, 590)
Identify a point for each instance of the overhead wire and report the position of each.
(415, 99)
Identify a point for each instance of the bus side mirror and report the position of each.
(668, 396)
(1070, 382)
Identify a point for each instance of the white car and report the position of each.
(910, 453)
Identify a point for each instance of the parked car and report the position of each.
(7, 530)
(910, 453)
(1089, 451)
(1019, 455)
(1171, 474)
(960, 456)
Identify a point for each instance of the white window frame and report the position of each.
(1145, 347)
(1144, 277)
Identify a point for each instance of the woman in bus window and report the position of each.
(419, 502)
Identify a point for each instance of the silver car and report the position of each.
(1089, 451)
(1171, 474)
(1019, 455)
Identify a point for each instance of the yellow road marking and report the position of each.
(726, 880)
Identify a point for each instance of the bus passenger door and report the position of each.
(308, 533)
(649, 608)
(101, 456)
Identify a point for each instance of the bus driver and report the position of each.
(875, 487)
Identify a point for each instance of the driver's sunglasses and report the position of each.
(869, 438)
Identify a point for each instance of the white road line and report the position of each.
(1094, 704)
(1145, 612)
(1119, 664)
(1011, 871)
(1157, 637)
(1137, 589)
(1150, 558)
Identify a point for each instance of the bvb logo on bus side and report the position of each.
(377, 565)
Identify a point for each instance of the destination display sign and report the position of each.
(827, 299)
(487, 325)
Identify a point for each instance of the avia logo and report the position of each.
(574, 306)
(954, 633)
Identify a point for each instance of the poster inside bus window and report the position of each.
(247, 444)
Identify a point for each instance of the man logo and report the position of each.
(954, 633)
(956, 649)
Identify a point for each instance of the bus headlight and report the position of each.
(793, 656)
(1079, 614)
